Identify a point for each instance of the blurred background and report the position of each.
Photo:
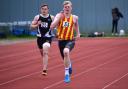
(94, 15)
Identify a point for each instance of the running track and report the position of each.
(98, 63)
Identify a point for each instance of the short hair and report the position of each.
(67, 2)
(43, 5)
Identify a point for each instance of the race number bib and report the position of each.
(44, 24)
(65, 24)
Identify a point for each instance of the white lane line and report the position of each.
(108, 85)
(20, 53)
(21, 64)
(17, 54)
(38, 57)
(13, 80)
(77, 75)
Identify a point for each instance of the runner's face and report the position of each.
(67, 8)
(44, 10)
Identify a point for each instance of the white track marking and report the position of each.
(22, 53)
(37, 57)
(115, 81)
(19, 65)
(13, 80)
(50, 69)
(34, 73)
(17, 54)
(77, 75)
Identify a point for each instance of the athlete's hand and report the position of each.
(39, 22)
(35, 24)
(77, 36)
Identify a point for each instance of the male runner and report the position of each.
(44, 37)
(66, 23)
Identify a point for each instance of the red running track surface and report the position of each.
(98, 63)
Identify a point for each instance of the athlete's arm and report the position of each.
(76, 26)
(35, 23)
(54, 33)
(52, 17)
(55, 21)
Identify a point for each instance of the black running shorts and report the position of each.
(42, 40)
(65, 44)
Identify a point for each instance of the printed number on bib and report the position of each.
(65, 24)
(44, 24)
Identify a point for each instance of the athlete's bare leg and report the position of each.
(44, 54)
(66, 59)
(46, 47)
